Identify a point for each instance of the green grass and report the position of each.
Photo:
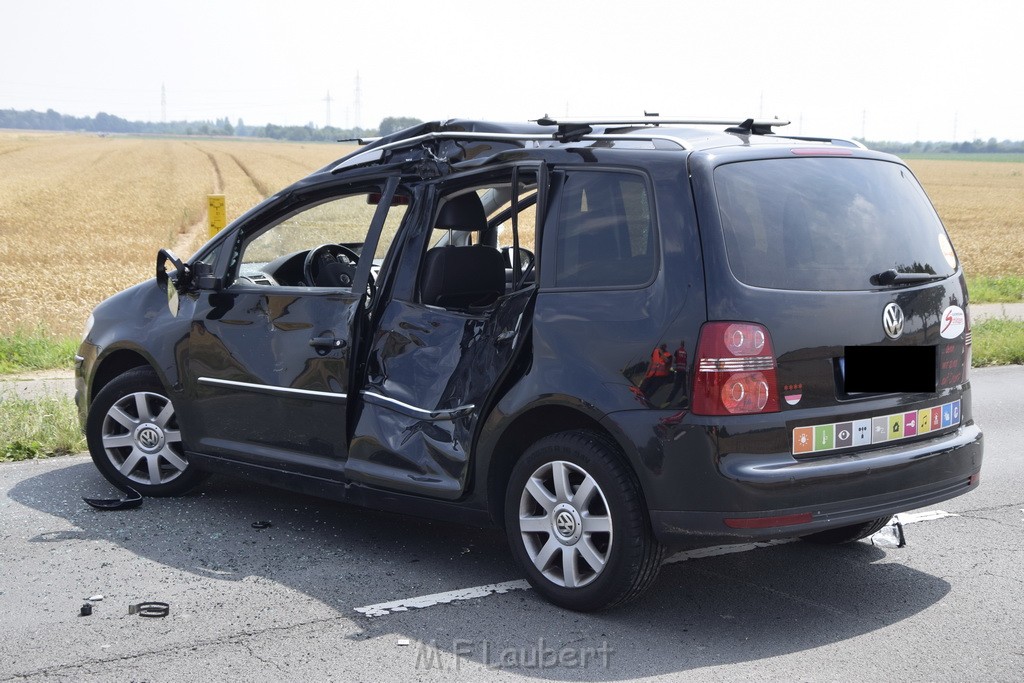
(35, 350)
(1005, 289)
(38, 428)
(997, 342)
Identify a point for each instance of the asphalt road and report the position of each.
(280, 603)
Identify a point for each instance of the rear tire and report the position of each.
(848, 534)
(577, 523)
(134, 439)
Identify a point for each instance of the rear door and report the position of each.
(451, 333)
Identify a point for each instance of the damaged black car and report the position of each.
(608, 337)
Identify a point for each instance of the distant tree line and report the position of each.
(991, 146)
(108, 123)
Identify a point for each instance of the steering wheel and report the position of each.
(330, 265)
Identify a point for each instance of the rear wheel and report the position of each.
(577, 524)
(848, 534)
(134, 439)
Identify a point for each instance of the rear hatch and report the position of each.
(841, 257)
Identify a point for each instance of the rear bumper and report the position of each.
(742, 497)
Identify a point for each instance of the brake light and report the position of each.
(735, 370)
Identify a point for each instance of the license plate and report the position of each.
(888, 369)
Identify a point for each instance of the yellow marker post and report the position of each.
(216, 212)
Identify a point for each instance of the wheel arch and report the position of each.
(117, 363)
(527, 428)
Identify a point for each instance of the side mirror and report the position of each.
(181, 275)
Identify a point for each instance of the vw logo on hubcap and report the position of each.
(149, 437)
(565, 524)
(892, 321)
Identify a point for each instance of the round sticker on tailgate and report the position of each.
(951, 324)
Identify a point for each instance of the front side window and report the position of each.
(278, 255)
(606, 234)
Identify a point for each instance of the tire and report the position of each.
(848, 534)
(133, 437)
(584, 569)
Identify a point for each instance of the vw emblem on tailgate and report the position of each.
(892, 321)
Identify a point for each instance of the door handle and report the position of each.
(327, 343)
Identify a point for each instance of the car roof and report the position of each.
(461, 140)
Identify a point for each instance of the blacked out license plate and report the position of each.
(888, 369)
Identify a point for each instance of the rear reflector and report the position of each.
(769, 522)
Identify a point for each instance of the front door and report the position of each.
(270, 355)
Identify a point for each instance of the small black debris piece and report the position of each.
(85, 611)
(131, 499)
(150, 609)
(261, 525)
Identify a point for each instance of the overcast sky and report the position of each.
(887, 69)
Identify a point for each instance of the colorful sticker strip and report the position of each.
(855, 433)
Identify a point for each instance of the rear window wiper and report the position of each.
(894, 277)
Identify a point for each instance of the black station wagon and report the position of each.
(609, 337)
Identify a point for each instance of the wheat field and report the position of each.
(982, 206)
(82, 216)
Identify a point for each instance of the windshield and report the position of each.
(828, 223)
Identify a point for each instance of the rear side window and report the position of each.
(605, 231)
(827, 223)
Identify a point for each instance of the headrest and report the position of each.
(464, 212)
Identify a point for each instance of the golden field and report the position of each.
(82, 216)
(982, 206)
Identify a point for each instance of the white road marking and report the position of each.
(714, 551)
(423, 601)
(384, 608)
(914, 517)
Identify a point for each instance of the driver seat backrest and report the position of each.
(462, 276)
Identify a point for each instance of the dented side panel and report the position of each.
(431, 376)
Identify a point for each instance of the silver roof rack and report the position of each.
(377, 153)
(658, 120)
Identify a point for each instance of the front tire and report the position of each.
(577, 523)
(134, 439)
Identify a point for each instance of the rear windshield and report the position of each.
(827, 223)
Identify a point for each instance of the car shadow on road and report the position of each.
(707, 612)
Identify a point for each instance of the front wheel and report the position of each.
(134, 439)
(577, 523)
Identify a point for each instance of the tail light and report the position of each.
(735, 370)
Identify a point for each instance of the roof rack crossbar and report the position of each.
(659, 121)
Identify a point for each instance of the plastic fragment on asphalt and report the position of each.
(150, 609)
(85, 611)
(95, 598)
(261, 525)
(132, 499)
(891, 535)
